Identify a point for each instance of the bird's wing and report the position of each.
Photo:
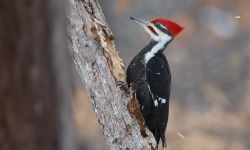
(159, 80)
(158, 77)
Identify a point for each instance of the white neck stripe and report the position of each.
(160, 45)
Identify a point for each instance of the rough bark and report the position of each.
(99, 66)
(35, 77)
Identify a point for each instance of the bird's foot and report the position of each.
(123, 87)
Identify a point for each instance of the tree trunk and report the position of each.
(99, 66)
(35, 77)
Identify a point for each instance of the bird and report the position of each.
(149, 72)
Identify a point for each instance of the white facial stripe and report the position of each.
(163, 26)
(152, 35)
(159, 32)
(162, 38)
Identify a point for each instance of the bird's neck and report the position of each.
(156, 46)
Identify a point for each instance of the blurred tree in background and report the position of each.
(36, 82)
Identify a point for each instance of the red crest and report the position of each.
(172, 27)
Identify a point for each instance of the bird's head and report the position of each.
(160, 28)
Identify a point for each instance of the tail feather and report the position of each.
(162, 129)
(163, 141)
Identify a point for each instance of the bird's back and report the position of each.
(153, 82)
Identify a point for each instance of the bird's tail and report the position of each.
(163, 141)
(162, 131)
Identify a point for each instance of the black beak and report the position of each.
(140, 21)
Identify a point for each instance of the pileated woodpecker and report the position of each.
(149, 72)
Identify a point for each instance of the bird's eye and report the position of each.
(158, 25)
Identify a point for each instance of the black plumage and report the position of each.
(152, 79)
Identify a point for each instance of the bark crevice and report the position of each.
(100, 68)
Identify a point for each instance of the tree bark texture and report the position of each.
(92, 47)
(35, 77)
